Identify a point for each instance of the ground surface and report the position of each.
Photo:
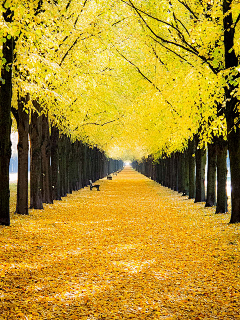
(134, 250)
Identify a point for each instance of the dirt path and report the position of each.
(134, 250)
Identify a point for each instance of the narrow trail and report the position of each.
(133, 250)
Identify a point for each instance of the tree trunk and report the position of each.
(221, 146)
(46, 154)
(180, 172)
(176, 156)
(80, 164)
(192, 168)
(231, 109)
(68, 156)
(234, 155)
(35, 131)
(55, 164)
(5, 125)
(174, 172)
(200, 175)
(171, 169)
(62, 167)
(211, 176)
(164, 172)
(23, 148)
(85, 160)
(185, 173)
(73, 167)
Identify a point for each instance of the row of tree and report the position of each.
(58, 165)
(185, 172)
(133, 78)
(33, 84)
(195, 34)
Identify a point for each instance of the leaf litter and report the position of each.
(134, 250)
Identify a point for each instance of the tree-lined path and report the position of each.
(133, 250)
(92, 81)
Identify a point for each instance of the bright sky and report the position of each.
(14, 139)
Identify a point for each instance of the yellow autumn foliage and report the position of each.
(103, 75)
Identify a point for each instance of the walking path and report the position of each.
(133, 250)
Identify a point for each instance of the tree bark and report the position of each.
(68, 156)
(85, 159)
(35, 131)
(46, 155)
(181, 173)
(192, 168)
(5, 125)
(221, 147)
(62, 167)
(55, 163)
(200, 175)
(80, 163)
(23, 148)
(185, 173)
(211, 176)
(231, 110)
(234, 155)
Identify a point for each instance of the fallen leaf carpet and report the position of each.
(133, 250)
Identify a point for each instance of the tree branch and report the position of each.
(189, 9)
(149, 15)
(99, 124)
(190, 49)
(150, 81)
(68, 4)
(170, 50)
(156, 55)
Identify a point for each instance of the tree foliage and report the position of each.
(132, 77)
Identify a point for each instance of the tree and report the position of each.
(199, 31)
(232, 104)
(22, 118)
(5, 117)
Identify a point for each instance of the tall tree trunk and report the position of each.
(221, 146)
(231, 110)
(192, 167)
(211, 176)
(177, 182)
(70, 160)
(164, 172)
(185, 173)
(234, 155)
(62, 166)
(5, 125)
(171, 171)
(46, 154)
(174, 172)
(35, 131)
(68, 156)
(55, 163)
(23, 148)
(168, 172)
(80, 163)
(200, 174)
(73, 167)
(181, 173)
(85, 160)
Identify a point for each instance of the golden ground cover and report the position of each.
(134, 250)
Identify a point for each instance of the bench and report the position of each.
(97, 186)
